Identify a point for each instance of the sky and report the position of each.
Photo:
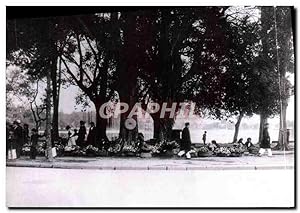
(67, 102)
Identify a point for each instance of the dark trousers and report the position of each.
(33, 152)
(80, 141)
(18, 150)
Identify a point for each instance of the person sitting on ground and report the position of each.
(140, 140)
(240, 141)
(142, 146)
(248, 143)
(213, 145)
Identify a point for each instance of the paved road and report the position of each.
(114, 163)
(41, 187)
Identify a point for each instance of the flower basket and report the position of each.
(155, 154)
(205, 154)
(222, 155)
(235, 154)
(90, 154)
(102, 153)
(193, 154)
(166, 154)
(40, 151)
(145, 150)
(129, 154)
(26, 150)
(222, 152)
(253, 150)
(91, 151)
(146, 155)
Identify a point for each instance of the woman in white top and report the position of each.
(71, 139)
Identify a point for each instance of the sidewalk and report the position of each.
(277, 161)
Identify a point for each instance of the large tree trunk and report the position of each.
(48, 118)
(55, 95)
(101, 123)
(129, 136)
(162, 126)
(283, 27)
(282, 138)
(237, 127)
(263, 121)
(158, 131)
(128, 70)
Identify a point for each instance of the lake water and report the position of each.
(220, 135)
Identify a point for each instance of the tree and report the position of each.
(241, 56)
(22, 90)
(284, 51)
(37, 110)
(36, 42)
(278, 50)
(88, 61)
(127, 69)
(186, 46)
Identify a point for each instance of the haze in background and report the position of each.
(221, 131)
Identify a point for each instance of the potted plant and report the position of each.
(166, 148)
(26, 149)
(222, 152)
(204, 152)
(91, 151)
(236, 151)
(129, 150)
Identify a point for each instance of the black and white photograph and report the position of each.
(150, 107)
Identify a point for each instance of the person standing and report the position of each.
(265, 142)
(71, 141)
(18, 137)
(75, 136)
(81, 134)
(186, 143)
(34, 143)
(91, 139)
(26, 133)
(9, 137)
(288, 136)
(204, 137)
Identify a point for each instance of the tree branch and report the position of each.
(79, 83)
(80, 68)
(80, 56)
(96, 56)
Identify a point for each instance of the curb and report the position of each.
(173, 168)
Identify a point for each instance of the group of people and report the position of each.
(185, 146)
(265, 143)
(78, 138)
(17, 136)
